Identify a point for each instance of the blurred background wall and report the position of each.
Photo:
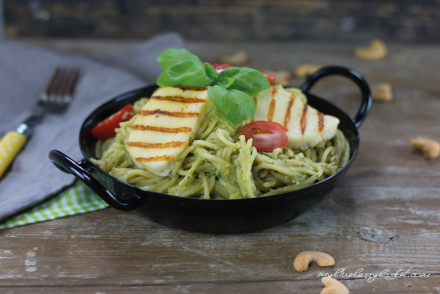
(401, 21)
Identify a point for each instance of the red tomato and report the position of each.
(270, 78)
(106, 128)
(266, 135)
(220, 66)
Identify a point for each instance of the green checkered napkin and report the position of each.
(76, 199)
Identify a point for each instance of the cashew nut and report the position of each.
(333, 286)
(302, 260)
(281, 76)
(305, 70)
(376, 51)
(238, 58)
(430, 148)
(382, 92)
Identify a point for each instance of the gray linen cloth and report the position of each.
(24, 74)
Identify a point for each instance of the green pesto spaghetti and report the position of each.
(220, 164)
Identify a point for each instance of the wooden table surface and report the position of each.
(384, 217)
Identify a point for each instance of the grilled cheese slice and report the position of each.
(305, 126)
(165, 126)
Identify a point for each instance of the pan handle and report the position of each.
(352, 75)
(68, 165)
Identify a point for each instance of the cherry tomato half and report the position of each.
(220, 66)
(270, 78)
(106, 128)
(266, 135)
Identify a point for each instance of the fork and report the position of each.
(56, 99)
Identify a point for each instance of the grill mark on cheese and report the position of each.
(303, 121)
(153, 158)
(161, 129)
(255, 102)
(145, 145)
(271, 111)
(320, 122)
(272, 104)
(178, 99)
(168, 113)
(192, 88)
(288, 112)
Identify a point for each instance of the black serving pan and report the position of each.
(205, 215)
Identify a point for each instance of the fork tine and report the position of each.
(75, 80)
(59, 94)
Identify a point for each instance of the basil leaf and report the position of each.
(172, 56)
(211, 72)
(188, 73)
(225, 82)
(235, 105)
(248, 80)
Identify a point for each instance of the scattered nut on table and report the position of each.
(281, 76)
(376, 51)
(382, 92)
(238, 58)
(305, 70)
(302, 260)
(430, 148)
(333, 286)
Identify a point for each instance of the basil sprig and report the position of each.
(248, 80)
(236, 106)
(231, 91)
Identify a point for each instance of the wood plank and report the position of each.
(404, 285)
(230, 21)
(116, 248)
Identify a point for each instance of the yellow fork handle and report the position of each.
(10, 146)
